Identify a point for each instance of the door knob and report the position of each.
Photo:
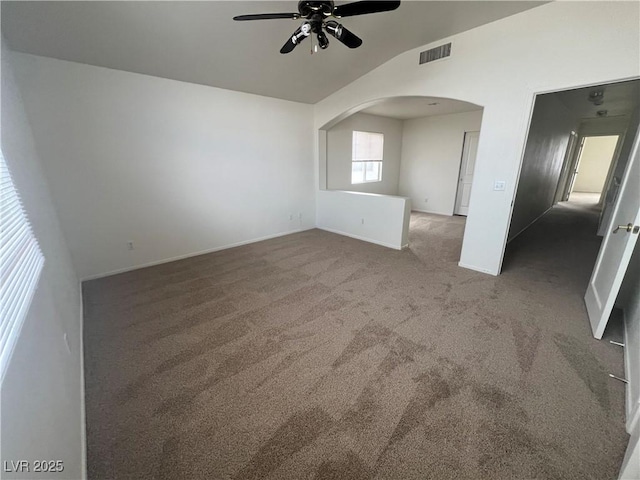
(628, 227)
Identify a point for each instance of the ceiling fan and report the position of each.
(316, 15)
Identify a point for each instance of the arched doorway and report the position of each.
(418, 148)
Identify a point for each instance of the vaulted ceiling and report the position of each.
(199, 42)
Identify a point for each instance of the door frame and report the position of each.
(582, 137)
(573, 169)
(564, 173)
(612, 167)
(527, 116)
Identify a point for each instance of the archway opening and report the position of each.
(421, 149)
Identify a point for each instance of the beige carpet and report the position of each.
(316, 356)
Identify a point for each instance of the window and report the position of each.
(366, 164)
(21, 262)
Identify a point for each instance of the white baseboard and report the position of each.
(194, 254)
(477, 269)
(432, 212)
(363, 239)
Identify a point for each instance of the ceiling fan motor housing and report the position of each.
(309, 7)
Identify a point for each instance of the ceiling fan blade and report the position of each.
(267, 16)
(299, 35)
(347, 37)
(364, 7)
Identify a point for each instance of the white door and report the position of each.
(467, 165)
(617, 246)
(610, 193)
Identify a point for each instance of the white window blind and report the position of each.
(21, 262)
(367, 155)
(367, 146)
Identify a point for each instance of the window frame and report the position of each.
(367, 160)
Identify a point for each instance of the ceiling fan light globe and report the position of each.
(323, 41)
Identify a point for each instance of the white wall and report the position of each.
(501, 66)
(380, 219)
(177, 168)
(631, 463)
(595, 160)
(42, 392)
(629, 301)
(549, 134)
(632, 323)
(431, 155)
(339, 153)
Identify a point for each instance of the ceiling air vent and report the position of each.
(436, 53)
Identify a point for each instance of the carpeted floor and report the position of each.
(316, 356)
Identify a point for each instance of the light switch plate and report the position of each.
(499, 185)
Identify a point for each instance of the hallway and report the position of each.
(562, 245)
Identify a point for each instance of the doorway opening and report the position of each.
(592, 168)
(576, 212)
(578, 180)
(588, 168)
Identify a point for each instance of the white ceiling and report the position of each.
(199, 42)
(406, 108)
(619, 99)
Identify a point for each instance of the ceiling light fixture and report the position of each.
(596, 97)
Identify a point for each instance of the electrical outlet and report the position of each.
(129, 245)
(291, 217)
(426, 200)
(499, 185)
(362, 221)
